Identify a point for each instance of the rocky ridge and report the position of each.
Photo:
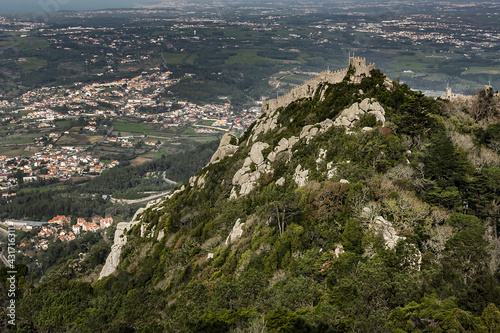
(259, 160)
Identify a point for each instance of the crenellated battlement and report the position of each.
(309, 88)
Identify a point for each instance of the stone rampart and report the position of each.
(305, 90)
(309, 88)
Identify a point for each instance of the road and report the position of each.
(4, 260)
(101, 140)
(170, 181)
(131, 202)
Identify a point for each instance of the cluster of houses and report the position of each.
(95, 224)
(61, 221)
(61, 164)
(126, 95)
(47, 115)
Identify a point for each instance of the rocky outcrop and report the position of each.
(310, 131)
(284, 145)
(339, 249)
(256, 152)
(197, 181)
(264, 125)
(121, 239)
(116, 249)
(183, 187)
(353, 113)
(253, 167)
(236, 232)
(387, 231)
(301, 176)
(321, 156)
(331, 170)
(388, 83)
(226, 148)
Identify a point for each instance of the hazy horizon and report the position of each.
(46, 6)
(34, 6)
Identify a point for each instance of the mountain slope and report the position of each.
(361, 205)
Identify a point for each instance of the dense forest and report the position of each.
(394, 228)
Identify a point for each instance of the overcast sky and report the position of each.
(34, 6)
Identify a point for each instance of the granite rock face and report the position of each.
(225, 148)
(353, 113)
(116, 249)
(121, 239)
(236, 232)
(264, 125)
(310, 131)
(387, 231)
(301, 176)
(253, 167)
(284, 145)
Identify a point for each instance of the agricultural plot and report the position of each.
(130, 127)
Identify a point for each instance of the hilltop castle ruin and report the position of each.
(308, 89)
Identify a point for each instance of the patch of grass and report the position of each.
(13, 152)
(28, 44)
(206, 122)
(63, 123)
(154, 154)
(132, 127)
(94, 138)
(203, 139)
(174, 58)
(482, 70)
(140, 160)
(31, 64)
(191, 59)
(188, 131)
(73, 140)
(247, 56)
(42, 189)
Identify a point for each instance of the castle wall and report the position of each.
(308, 89)
(305, 90)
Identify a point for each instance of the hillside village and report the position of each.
(99, 104)
(59, 228)
(142, 96)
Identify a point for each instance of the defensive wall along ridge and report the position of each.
(309, 88)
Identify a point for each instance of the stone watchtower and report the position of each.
(360, 68)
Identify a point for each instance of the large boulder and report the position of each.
(350, 115)
(301, 176)
(310, 131)
(256, 152)
(226, 148)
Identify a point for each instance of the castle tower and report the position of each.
(448, 92)
(360, 68)
(357, 62)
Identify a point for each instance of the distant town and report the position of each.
(125, 97)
